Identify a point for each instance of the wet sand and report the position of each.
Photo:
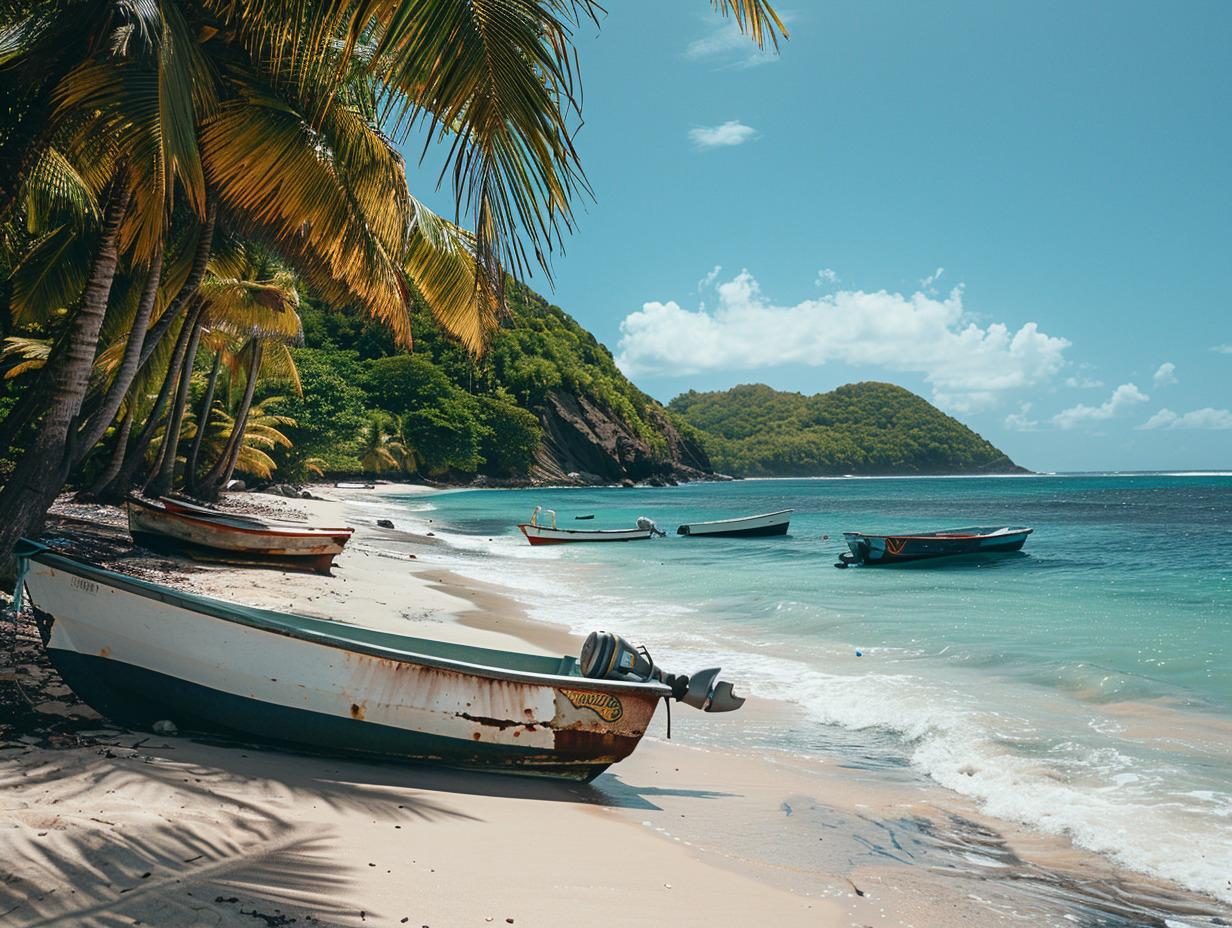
(101, 826)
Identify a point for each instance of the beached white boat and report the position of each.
(769, 523)
(538, 534)
(235, 539)
(141, 653)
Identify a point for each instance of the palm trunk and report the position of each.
(161, 485)
(143, 338)
(35, 396)
(94, 428)
(117, 454)
(203, 422)
(43, 469)
(117, 488)
(205, 243)
(221, 472)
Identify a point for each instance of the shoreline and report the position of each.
(699, 835)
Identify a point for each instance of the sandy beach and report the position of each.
(100, 826)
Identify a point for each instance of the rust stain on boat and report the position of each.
(357, 711)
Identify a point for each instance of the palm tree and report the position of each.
(375, 457)
(385, 448)
(273, 106)
(261, 432)
(131, 105)
(246, 293)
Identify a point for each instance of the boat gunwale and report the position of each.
(272, 622)
(764, 515)
(946, 534)
(242, 525)
(193, 510)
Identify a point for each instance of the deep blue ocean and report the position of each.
(1083, 685)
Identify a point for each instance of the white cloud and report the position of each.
(1223, 349)
(1086, 383)
(1166, 374)
(732, 132)
(727, 46)
(1207, 418)
(1020, 421)
(709, 278)
(826, 276)
(1124, 398)
(969, 367)
(931, 278)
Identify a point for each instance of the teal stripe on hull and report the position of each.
(137, 698)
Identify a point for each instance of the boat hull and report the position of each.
(544, 535)
(872, 550)
(767, 524)
(234, 540)
(139, 653)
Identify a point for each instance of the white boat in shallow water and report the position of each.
(140, 653)
(538, 534)
(769, 523)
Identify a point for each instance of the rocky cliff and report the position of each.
(586, 443)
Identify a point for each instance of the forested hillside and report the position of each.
(863, 428)
(546, 400)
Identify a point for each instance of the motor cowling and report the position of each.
(608, 656)
(647, 524)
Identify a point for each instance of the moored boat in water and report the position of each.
(769, 523)
(871, 550)
(538, 534)
(213, 535)
(142, 654)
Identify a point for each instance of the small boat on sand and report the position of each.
(178, 504)
(240, 539)
(145, 655)
(538, 534)
(769, 523)
(871, 550)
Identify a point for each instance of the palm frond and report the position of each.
(32, 352)
(440, 260)
(278, 176)
(496, 80)
(50, 275)
(57, 193)
(755, 18)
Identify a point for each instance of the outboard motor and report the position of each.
(644, 523)
(607, 656)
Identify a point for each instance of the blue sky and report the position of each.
(1020, 211)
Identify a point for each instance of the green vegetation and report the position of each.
(461, 416)
(863, 428)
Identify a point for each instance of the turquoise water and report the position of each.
(1083, 686)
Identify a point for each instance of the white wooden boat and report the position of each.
(234, 539)
(538, 534)
(873, 550)
(769, 523)
(140, 654)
